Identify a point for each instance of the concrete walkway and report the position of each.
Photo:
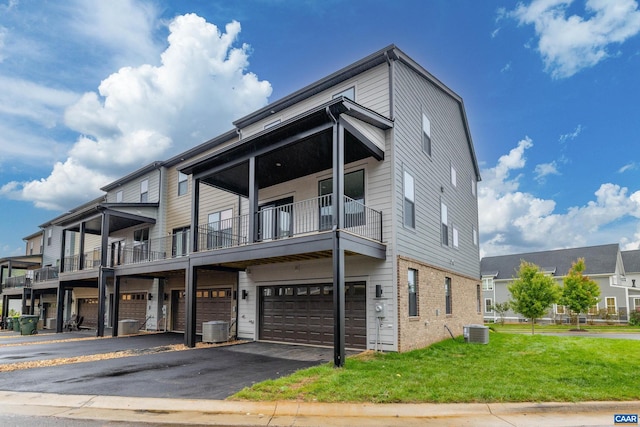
(274, 414)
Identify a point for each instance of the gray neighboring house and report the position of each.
(605, 264)
(631, 261)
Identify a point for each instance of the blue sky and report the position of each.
(92, 90)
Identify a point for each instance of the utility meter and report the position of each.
(381, 310)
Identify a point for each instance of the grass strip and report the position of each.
(511, 368)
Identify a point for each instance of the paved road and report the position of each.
(206, 373)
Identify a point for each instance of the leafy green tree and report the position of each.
(532, 292)
(579, 292)
(501, 308)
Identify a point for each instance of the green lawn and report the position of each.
(598, 328)
(511, 368)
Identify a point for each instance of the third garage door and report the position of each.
(304, 314)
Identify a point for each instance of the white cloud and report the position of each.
(123, 27)
(571, 135)
(628, 167)
(145, 113)
(513, 221)
(544, 169)
(570, 44)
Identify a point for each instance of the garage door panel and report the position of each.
(211, 305)
(304, 314)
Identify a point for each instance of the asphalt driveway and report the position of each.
(206, 373)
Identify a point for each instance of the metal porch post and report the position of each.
(115, 310)
(102, 275)
(60, 308)
(338, 251)
(253, 201)
(190, 301)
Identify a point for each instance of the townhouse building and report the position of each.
(344, 214)
(605, 264)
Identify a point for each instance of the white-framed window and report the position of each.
(474, 234)
(426, 135)
(560, 309)
(636, 304)
(454, 176)
(183, 183)
(487, 283)
(49, 236)
(119, 196)
(474, 187)
(144, 191)
(444, 238)
(349, 93)
(593, 310)
(454, 232)
(612, 306)
(409, 201)
(488, 305)
(478, 299)
(31, 248)
(412, 285)
(272, 124)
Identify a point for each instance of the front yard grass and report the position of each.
(511, 368)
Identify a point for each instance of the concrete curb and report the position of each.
(222, 412)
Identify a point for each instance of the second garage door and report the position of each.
(133, 305)
(88, 309)
(211, 304)
(304, 314)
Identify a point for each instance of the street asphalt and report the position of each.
(156, 385)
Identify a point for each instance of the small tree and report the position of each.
(532, 292)
(501, 308)
(579, 292)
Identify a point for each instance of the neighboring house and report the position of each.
(631, 261)
(603, 264)
(16, 275)
(344, 214)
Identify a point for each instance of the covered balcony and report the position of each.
(322, 139)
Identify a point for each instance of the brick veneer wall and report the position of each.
(429, 325)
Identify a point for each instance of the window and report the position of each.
(455, 237)
(447, 295)
(409, 201)
(487, 283)
(478, 299)
(349, 93)
(412, 281)
(474, 233)
(276, 219)
(49, 236)
(444, 222)
(141, 245)
(560, 309)
(144, 191)
(474, 187)
(593, 311)
(611, 305)
(636, 304)
(454, 176)
(426, 135)
(488, 305)
(220, 229)
(183, 184)
(31, 248)
(354, 214)
(119, 196)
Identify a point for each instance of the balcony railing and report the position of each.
(17, 282)
(293, 219)
(273, 223)
(45, 274)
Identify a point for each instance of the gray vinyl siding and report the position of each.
(51, 253)
(432, 174)
(131, 190)
(372, 91)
